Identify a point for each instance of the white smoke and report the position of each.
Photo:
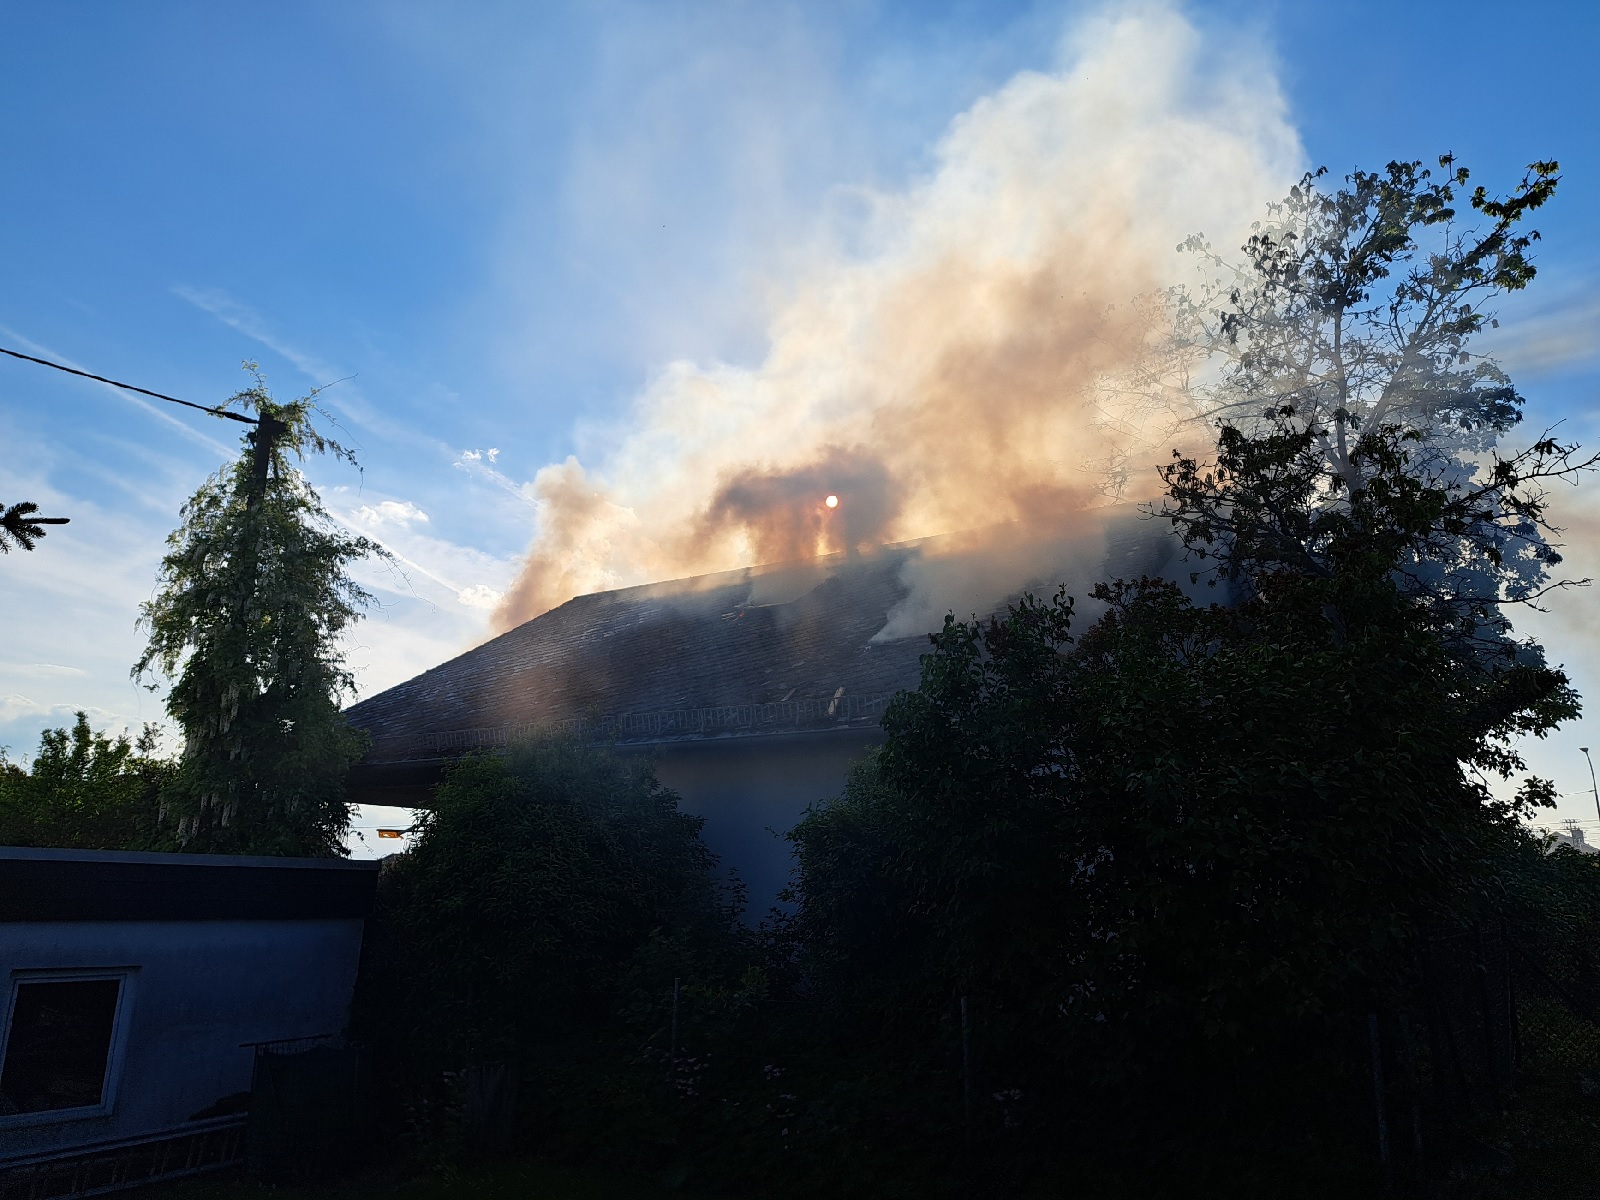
(985, 359)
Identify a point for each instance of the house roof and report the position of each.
(125, 885)
(749, 651)
(767, 650)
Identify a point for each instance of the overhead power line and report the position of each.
(23, 527)
(128, 387)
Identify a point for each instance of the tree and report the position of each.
(1173, 860)
(1357, 307)
(547, 888)
(534, 878)
(1458, 543)
(254, 594)
(19, 526)
(86, 791)
(1184, 852)
(1354, 312)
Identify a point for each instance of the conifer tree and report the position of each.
(21, 528)
(253, 595)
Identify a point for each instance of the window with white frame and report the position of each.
(59, 1039)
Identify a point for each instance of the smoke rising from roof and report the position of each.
(785, 514)
(994, 354)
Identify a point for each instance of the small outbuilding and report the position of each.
(136, 993)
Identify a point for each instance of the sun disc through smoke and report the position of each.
(832, 502)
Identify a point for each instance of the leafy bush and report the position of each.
(548, 891)
(86, 791)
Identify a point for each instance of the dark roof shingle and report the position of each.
(691, 658)
(759, 650)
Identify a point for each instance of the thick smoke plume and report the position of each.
(995, 356)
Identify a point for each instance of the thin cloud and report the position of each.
(39, 669)
(398, 525)
(164, 415)
(480, 463)
(389, 512)
(347, 399)
(1557, 333)
(243, 319)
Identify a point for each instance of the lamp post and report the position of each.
(1592, 786)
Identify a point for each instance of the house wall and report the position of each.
(753, 790)
(195, 991)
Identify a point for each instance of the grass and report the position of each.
(1554, 1139)
(509, 1181)
(1550, 1150)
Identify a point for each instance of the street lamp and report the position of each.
(1592, 786)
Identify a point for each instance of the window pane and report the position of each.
(56, 1049)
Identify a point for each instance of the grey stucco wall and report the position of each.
(751, 791)
(196, 990)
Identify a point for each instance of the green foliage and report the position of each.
(254, 594)
(86, 791)
(1188, 848)
(1356, 306)
(538, 882)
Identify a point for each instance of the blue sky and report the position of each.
(500, 225)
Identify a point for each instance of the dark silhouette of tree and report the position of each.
(86, 790)
(536, 879)
(19, 526)
(1175, 858)
(1355, 308)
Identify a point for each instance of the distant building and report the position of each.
(1572, 835)
(753, 690)
(137, 990)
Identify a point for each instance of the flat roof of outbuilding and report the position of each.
(124, 885)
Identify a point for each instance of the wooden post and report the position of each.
(262, 443)
(966, 1068)
(1377, 1088)
(675, 982)
(1413, 1075)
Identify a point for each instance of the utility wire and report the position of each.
(216, 412)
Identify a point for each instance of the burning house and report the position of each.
(753, 690)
